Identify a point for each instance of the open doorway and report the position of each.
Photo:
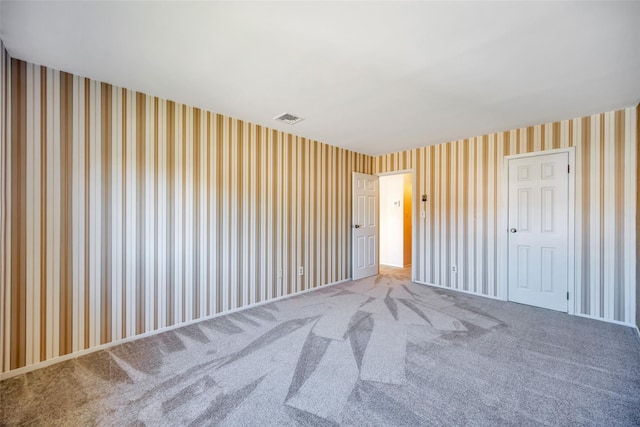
(396, 225)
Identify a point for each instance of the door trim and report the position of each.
(503, 208)
(414, 217)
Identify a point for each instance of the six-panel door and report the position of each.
(538, 230)
(365, 225)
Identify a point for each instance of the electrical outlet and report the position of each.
(453, 269)
(300, 271)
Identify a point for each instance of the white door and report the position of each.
(364, 225)
(539, 230)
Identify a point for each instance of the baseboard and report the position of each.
(615, 322)
(70, 356)
(433, 285)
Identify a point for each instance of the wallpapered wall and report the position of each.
(638, 217)
(463, 181)
(124, 213)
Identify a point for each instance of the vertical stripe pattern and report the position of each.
(463, 182)
(124, 213)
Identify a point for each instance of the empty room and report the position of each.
(372, 213)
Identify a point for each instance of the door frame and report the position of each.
(414, 213)
(503, 213)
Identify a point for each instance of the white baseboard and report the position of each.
(391, 265)
(59, 359)
(433, 285)
(616, 322)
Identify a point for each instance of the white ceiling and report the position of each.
(374, 77)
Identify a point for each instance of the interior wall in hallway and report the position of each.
(392, 221)
(408, 220)
(463, 180)
(124, 213)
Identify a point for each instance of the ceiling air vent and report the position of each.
(288, 118)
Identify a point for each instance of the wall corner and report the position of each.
(637, 216)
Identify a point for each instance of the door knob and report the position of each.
(513, 230)
(356, 226)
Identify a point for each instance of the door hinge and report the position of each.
(567, 296)
(568, 168)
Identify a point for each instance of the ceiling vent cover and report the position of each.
(288, 118)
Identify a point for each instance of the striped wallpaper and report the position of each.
(638, 217)
(463, 181)
(124, 213)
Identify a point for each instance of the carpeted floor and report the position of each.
(379, 351)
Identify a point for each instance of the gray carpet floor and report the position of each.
(378, 351)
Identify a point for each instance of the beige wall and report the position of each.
(463, 180)
(123, 213)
